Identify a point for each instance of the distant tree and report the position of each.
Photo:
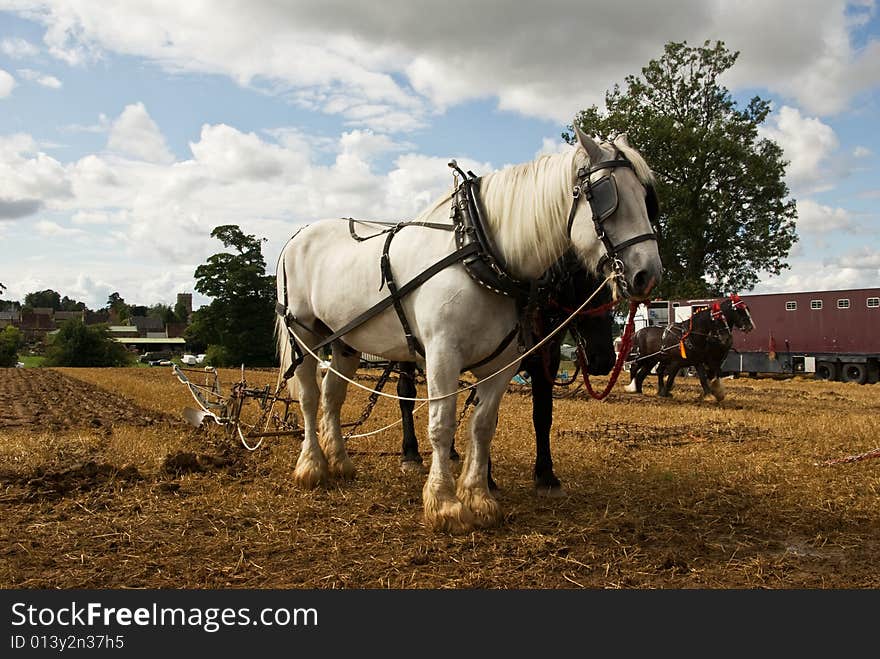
(47, 298)
(181, 311)
(69, 304)
(725, 211)
(138, 310)
(164, 312)
(76, 344)
(116, 305)
(10, 341)
(240, 317)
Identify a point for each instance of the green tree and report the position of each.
(164, 312)
(181, 311)
(10, 341)
(47, 298)
(240, 318)
(116, 305)
(76, 344)
(725, 212)
(69, 304)
(7, 304)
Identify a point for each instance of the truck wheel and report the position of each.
(826, 371)
(855, 373)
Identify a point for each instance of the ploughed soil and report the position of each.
(103, 485)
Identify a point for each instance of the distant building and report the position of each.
(10, 317)
(123, 331)
(102, 316)
(175, 329)
(147, 324)
(36, 323)
(62, 316)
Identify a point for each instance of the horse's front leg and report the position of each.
(311, 465)
(332, 397)
(670, 372)
(410, 458)
(473, 483)
(442, 510)
(716, 387)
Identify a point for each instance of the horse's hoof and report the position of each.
(309, 478)
(485, 508)
(631, 388)
(450, 517)
(343, 469)
(411, 467)
(552, 492)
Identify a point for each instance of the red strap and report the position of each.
(625, 345)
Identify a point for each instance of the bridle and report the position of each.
(602, 197)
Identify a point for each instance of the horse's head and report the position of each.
(616, 183)
(736, 311)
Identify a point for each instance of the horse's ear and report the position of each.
(623, 140)
(588, 144)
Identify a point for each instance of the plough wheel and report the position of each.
(251, 418)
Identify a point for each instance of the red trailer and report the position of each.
(833, 334)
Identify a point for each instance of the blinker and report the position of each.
(602, 195)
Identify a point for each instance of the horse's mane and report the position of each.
(526, 206)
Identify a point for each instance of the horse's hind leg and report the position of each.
(410, 458)
(332, 396)
(704, 381)
(442, 510)
(473, 483)
(311, 466)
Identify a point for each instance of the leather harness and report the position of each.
(480, 258)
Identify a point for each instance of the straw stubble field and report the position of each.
(103, 486)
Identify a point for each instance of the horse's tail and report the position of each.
(285, 347)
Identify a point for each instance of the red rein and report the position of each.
(625, 345)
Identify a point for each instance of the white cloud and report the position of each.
(54, 230)
(102, 126)
(816, 218)
(551, 145)
(18, 48)
(135, 134)
(548, 60)
(862, 152)
(808, 144)
(231, 155)
(28, 174)
(7, 84)
(40, 78)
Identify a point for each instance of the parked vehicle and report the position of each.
(834, 335)
(155, 356)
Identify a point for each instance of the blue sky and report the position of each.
(128, 133)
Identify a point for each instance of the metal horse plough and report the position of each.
(253, 414)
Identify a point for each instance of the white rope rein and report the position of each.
(534, 348)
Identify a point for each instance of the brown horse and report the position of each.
(702, 341)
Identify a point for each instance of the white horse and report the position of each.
(534, 212)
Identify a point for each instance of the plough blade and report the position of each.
(195, 417)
